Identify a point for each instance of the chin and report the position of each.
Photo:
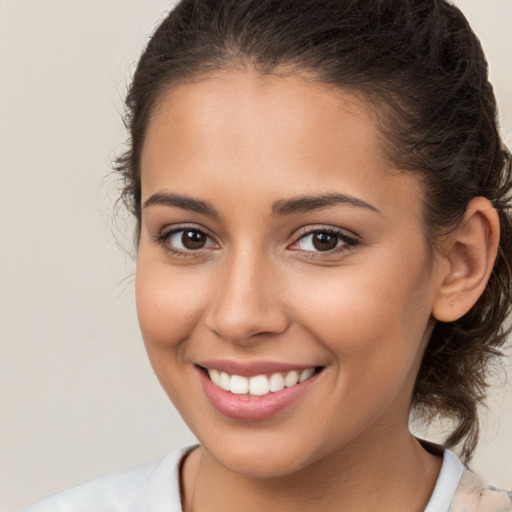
(260, 465)
(263, 456)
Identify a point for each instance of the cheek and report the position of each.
(374, 326)
(169, 307)
(368, 316)
(169, 300)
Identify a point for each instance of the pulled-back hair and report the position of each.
(423, 71)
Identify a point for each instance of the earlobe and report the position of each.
(468, 253)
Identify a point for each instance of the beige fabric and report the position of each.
(473, 496)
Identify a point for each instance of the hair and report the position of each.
(423, 72)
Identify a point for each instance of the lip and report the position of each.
(253, 408)
(252, 368)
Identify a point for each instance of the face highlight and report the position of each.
(283, 279)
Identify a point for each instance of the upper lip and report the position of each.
(252, 368)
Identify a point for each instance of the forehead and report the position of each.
(249, 131)
(268, 108)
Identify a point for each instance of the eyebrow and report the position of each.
(317, 202)
(282, 207)
(184, 202)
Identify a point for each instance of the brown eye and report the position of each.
(324, 241)
(187, 240)
(193, 239)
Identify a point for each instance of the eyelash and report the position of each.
(163, 238)
(348, 242)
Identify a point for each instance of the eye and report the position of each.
(324, 240)
(186, 240)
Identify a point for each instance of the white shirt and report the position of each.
(155, 487)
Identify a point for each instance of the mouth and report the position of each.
(261, 393)
(259, 385)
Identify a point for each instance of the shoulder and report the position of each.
(458, 489)
(473, 495)
(151, 487)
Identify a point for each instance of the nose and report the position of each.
(246, 302)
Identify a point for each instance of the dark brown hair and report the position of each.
(423, 70)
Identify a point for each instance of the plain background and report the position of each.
(77, 396)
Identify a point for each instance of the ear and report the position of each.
(467, 255)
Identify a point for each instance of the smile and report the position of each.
(258, 385)
(264, 391)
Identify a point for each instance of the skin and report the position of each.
(258, 290)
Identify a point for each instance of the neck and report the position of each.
(363, 476)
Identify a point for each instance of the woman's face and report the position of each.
(274, 240)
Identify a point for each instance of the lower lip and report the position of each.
(252, 408)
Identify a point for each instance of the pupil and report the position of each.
(324, 241)
(193, 240)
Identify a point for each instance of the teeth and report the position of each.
(276, 382)
(258, 385)
(239, 385)
(291, 379)
(305, 374)
(225, 383)
(215, 377)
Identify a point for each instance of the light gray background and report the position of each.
(77, 395)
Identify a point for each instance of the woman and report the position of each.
(324, 244)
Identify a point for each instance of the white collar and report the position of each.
(447, 483)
